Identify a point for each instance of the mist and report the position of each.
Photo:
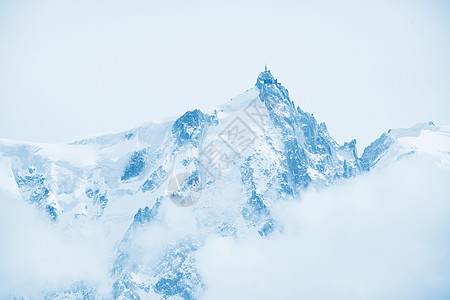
(38, 256)
(383, 235)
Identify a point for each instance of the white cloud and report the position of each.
(383, 235)
(36, 255)
(379, 236)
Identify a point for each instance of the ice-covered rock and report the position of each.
(233, 165)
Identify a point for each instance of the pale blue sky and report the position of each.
(74, 68)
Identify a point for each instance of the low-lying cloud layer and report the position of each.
(37, 256)
(383, 235)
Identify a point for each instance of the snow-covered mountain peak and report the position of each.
(413, 131)
(425, 139)
(265, 77)
(219, 173)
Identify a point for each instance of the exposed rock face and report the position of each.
(189, 128)
(237, 162)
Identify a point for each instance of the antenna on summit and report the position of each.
(265, 67)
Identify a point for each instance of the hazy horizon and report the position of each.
(71, 70)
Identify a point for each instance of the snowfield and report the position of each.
(254, 200)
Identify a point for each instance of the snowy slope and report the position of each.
(159, 190)
(423, 139)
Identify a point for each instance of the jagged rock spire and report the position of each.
(265, 78)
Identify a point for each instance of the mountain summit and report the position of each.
(218, 173)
